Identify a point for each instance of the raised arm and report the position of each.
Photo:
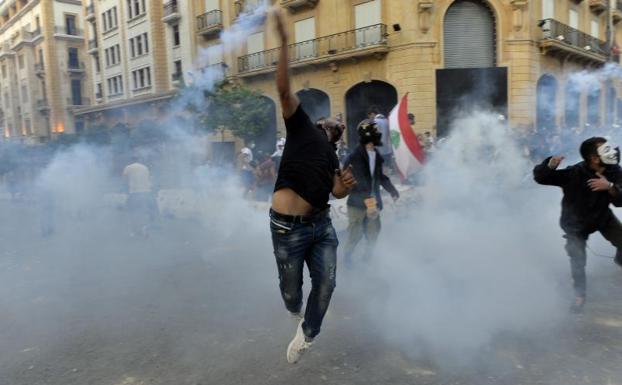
(546, 173)
(289, 101)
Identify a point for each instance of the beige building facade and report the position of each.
(42, 71)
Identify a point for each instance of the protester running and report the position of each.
(589, 188)
(300, 224)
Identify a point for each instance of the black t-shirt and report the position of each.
(309, 161)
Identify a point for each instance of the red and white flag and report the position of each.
(409, 155)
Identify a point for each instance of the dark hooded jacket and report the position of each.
(365, 183)
(583, 210)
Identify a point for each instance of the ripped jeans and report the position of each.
(313, 240)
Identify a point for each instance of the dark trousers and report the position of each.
(312, 240)
(575, 247)
(359, 226)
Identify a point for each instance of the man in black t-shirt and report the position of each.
(302, 231)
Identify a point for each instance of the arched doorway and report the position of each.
(363, 95)
(610, 113)
(572, 105)
(546, 103)
(469, 35)
(470, 80)
(316, 103)
(266, 142)
(593, 106)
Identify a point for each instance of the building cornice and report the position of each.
(19, 15)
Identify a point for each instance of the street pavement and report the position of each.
(197, 303)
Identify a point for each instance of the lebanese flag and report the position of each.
(409, 156)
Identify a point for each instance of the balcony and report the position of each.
(177, 78)
(92, 46)
(75, 67)
(68, 33)
(42, 105)
(217, 71)
(616, 13)
(564, 41)
(98, 96)
(72, 102)
(246, 6)
(598, 6)
(90, 12)
(209, 23)
(171, 12)
(295, 5)
(39, 70)
(357, 43)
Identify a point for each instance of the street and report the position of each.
(198, 303)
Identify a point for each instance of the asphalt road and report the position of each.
(198, 304)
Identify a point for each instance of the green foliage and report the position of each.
(243, 111)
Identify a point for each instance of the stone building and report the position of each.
(42, 71)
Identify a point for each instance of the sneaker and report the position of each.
(577, 306)
(298, 346)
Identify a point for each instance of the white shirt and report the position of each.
(137, 177)
(372, 162)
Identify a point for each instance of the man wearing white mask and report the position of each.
(589, 187)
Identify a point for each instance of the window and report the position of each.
(573, 18)
(115, 85)
(73, 61)
(178, 67)
(113, 55)
(136, 8)
(27, 126)
(24, 93)
(548, 9)
(6, 100)
(595, 28)
(110, 20)
(98, 91)
(20, 61)
(76, 92)
(304, 33)
(176, 40)
(139, 45)
(4, 71)
(96, 63)
(142, 78)
(70, 25)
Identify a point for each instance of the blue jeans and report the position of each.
(313, 240)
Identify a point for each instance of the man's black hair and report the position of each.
(590, 147)
(373, 109)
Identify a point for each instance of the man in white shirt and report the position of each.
(140, 202)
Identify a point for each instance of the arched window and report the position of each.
(316, 103)
(364, 95)
(469, 35)
(546, 103)
(572, 105)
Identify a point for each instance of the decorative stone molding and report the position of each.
(425, 13)
(518, 9)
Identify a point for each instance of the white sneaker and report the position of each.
(298, 346)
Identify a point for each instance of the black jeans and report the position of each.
(313, 240)
(611, 230)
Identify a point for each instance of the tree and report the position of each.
(242, 111)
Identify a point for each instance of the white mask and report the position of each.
(609, 154)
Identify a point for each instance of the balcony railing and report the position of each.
(209, 22)
(92, 44)
(171, 8)
(327, 47)
(29, 36)
(42, 104)
(294, 5)
(563, 37)
(90, 12)
(69, 31)
(71, 101)
(176, 76)
(75, 66)
(39, 68)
